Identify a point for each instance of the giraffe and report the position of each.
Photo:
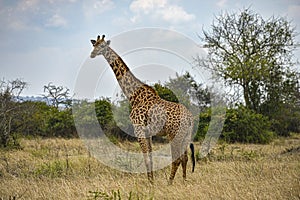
(150, 115)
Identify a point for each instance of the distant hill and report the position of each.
(32, 98)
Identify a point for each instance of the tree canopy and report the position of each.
(254, 53)
(257, 56)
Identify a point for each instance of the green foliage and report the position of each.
(241, 125)
(60, 123)
(244, 125)
(33, 118)
(188, 91)
(165, 93)
(26, 118)
(104, 113)
(255, 55)
(121, 112)
(284, 117)
(10, 111)
(277, 113)
(83, 112)
(113, 127)
(204, 119)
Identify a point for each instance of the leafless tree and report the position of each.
(57, 95)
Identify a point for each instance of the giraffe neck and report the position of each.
(127, 81)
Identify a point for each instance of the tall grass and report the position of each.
(63, 169)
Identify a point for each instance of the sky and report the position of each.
(46, 41)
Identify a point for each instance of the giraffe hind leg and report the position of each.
(179, 153)
(175, 165)
(184, 160)
(176, 157)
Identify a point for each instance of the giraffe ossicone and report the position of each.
(151, 115)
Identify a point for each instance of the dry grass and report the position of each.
(63, 169)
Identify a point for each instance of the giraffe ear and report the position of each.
(108, 42)
(93, 42)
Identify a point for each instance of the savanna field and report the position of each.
(63, 169)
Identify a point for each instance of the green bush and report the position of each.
(111, 116)
(165, 93)
(246, 126)
(241, 125)
(204, 119)
(285, 120)
(60, 123)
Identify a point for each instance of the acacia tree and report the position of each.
(59, 121)
(254, 54)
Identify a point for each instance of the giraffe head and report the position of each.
(100, 46)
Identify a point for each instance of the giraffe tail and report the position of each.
(193, 156)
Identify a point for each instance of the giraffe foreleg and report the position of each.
(145, 144)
